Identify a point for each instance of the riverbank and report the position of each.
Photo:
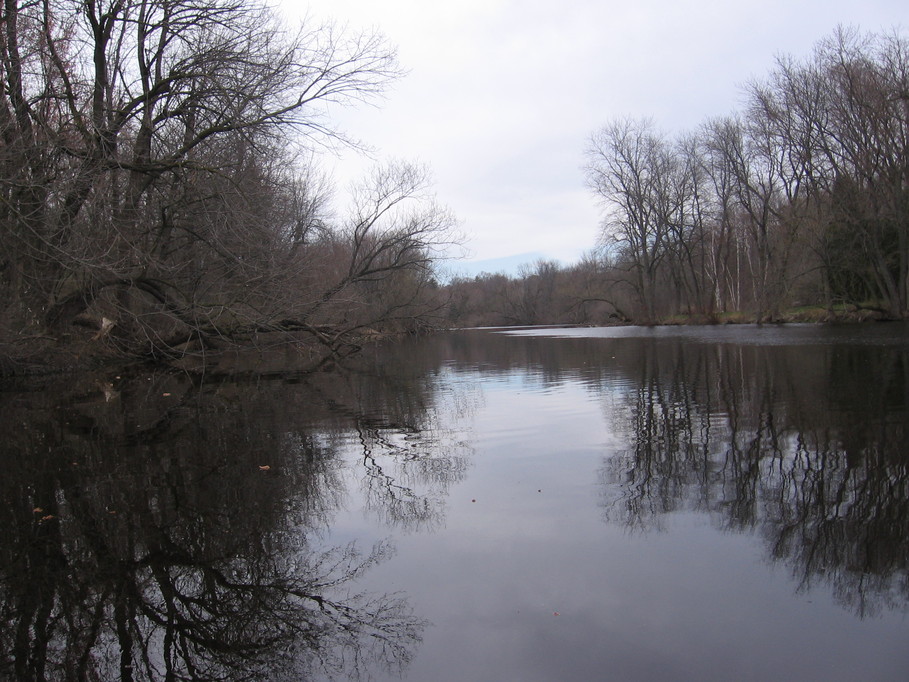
(81, 351)
(804, 314)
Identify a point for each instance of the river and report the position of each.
(678, 503)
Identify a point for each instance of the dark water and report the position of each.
(621, 504)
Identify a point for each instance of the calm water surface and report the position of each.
(551, 504)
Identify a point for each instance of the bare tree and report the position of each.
(844, 116)
(377, 268)
(150, 173)
(803, 194)
(724, 264)
(629, 168)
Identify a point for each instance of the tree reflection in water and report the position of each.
(806, 445)
(150, 529)
(407, 474)
(153, 529)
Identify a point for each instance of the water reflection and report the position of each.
(408, 472)
(806, 446)
(151, 527)
(798, 434)
(154, 529)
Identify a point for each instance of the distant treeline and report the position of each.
(799, 200)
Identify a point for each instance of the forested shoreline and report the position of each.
(795, 207)
(161, 196)
(160, 190)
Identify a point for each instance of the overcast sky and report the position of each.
(501, 96)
